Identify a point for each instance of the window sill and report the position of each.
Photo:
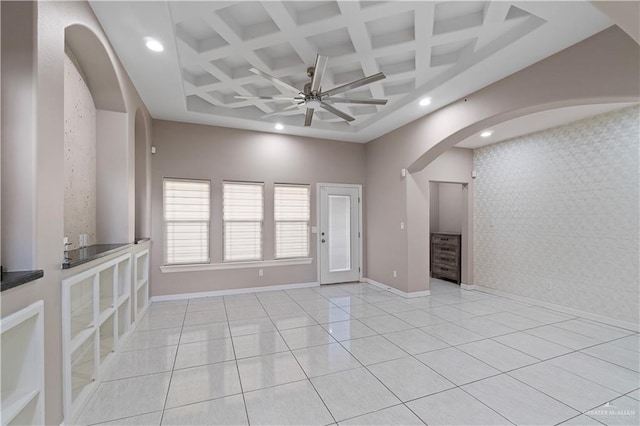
(235, 265)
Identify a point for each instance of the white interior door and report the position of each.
(339, 234)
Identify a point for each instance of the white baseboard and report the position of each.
(468, 286)
(398, 292)
(562, 309)
(182, 296)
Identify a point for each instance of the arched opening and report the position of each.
(443, 162)
(142, 228)
(96, 144)
(473, 127)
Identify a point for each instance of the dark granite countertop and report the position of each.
(87, 254)
(15, 279)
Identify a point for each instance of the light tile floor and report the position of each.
(355, 354)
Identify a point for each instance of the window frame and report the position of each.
(224, 222)
(275, 222)
(165, 260)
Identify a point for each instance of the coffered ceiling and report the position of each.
(442, 50)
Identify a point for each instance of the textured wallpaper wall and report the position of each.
(557, 218)
(79, 157)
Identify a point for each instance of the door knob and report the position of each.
(323, 240)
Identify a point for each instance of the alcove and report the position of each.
(97, 164)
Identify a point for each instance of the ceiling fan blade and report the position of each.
(280, 111)
(321, 65)
(308, 117)
(358, 101)
(358, 83)
(269, 98)
(336, 111)
(275, 80)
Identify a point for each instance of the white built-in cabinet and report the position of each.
(97, 306)
(23, 367)
(141, 274)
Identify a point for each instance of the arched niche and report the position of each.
(142, 206)
(113, 162)
(97, 68)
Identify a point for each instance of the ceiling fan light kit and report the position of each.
(312, 97)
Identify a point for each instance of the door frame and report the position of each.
(320, 185)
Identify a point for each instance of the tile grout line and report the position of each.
(412, 356)
(141, 375)
(555, 399)
(235, 359)
(496, 375)
(302, 369)
(174, 364)
(501, 372)
(456, 386)
(369, 371)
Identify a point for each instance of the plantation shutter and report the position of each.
(292, 215)
(186, 220)
(243, 217)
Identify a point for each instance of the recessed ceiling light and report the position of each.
(425, 101)
(486, 133)
(153, 44)
(279, 126)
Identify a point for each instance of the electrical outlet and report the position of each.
(549, 284)
(395, 274)
(260, 272)
(401, 225)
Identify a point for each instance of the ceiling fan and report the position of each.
(312, 97)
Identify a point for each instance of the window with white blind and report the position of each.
(186, 220)
(243, 217)
(292, 215)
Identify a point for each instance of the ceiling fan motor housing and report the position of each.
(312, 102)
(312, 97)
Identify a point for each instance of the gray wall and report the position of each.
(434, 206)
(450, 207)
(445, 207)
(215, 153)
(557, 215)
(18, 136)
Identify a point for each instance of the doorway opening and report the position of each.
(448, 225)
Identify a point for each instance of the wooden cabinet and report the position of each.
(445, 256)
